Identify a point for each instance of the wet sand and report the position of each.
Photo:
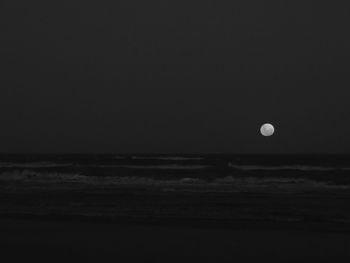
(72, 241)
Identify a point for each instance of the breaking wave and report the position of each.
(35, 165)
(228, 183)
(286, 167)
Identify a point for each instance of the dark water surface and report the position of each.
(178, 188)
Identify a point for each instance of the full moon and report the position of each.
(267, 129)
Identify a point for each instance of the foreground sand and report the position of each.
(76, 241)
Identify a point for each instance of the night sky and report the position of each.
(174, 76)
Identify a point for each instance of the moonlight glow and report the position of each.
(267, 129)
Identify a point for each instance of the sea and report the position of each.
(213, 188)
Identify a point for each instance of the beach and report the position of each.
(71, 241)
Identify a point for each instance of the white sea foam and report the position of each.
(54, 165)
(28, 175)
(278, 182)
(34, 165)
(229, 183)
(286, 167)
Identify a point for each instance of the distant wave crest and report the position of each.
(170, 158)
(285, 167)
(34, 165)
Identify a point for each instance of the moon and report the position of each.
(267, 129)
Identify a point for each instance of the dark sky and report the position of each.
(174, 76)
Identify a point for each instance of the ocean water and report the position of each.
(291, 188)
(324, 170)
